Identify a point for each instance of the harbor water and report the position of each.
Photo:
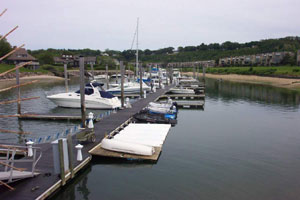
(245, 144)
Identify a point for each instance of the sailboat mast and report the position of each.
(137, 48)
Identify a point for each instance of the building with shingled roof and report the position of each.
(21, 56)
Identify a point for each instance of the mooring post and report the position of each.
(70, 153)
(61, 162)
(150, 71)
(82, 93)
(19, 90)
(159, 78)
(122, 83)
(107, 81)
(117, 78)
(171, 80)
(66, 76)
(93, 73)
(194, 71)
(141, 81)
(203, 71)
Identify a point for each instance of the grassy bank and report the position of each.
(278, 71)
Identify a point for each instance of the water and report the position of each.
(244, 145)
(36, 128)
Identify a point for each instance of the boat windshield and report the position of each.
(87, 91)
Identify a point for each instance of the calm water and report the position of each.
(244, 145)
(42, 105)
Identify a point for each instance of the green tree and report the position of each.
(5, 47)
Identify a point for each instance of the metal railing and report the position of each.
(10, 162)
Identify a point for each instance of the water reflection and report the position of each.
(232, 91)
(77, 188)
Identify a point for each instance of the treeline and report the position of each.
(213, 51)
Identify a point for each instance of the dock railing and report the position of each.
(11, 172)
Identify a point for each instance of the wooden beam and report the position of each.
(15, 86)
(18, 169)
(17, 100)
(17, 67)
(8, 33)
(8, 186)
(13, 51)
(7, 116)
(16, 132)
(3, 12)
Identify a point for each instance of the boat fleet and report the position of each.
(96, 97)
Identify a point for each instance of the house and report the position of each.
(21, 56)
(73, 61)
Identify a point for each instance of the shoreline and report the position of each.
(4, 83)
(287, 83)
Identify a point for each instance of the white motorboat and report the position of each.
(181, 91)
(165, 108)
(101, 77)
(94, 99)
(129, 88)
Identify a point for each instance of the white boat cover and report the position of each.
(138, 139)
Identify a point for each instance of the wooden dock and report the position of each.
(182, 96)
(47, 185)
(190, 104)
(36, 116)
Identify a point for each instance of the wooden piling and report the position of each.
(122, 83)
(93, 73)
(61, 162)
(107, 81)
(70, 154)
(19, 90)
(66, 77)
(82, 92)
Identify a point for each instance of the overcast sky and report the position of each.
(99, 24)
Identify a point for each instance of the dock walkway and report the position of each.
(42, 186)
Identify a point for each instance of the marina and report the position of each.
(105, 126)
(89, 112)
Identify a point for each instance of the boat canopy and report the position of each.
(94, 84)
(106, 95)
(87, 91)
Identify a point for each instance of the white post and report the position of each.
(91, 117)
(154, 88)
(79, 153)
(127, 103)
(145, 94)
(29, 148)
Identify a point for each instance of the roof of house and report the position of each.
(21, 54)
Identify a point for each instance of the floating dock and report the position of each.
(148, 135)
(190, 104)
(36, 116)
(182, 96)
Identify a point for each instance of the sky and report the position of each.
(110, 24)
